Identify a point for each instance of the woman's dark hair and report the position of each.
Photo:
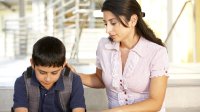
(127, 8)
(48, 51)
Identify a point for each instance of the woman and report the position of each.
(132, 63)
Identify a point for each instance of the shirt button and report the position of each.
(126, 100)
(124, 92)
(120, 80)
(45, 94)
(121, 84)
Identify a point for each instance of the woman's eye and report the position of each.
(113, 23)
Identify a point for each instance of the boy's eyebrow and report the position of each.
(46, 72)
(42, 70)
(56, 70)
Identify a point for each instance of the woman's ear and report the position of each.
(133, 20)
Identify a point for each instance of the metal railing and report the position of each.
(60, 18)
(175, 22)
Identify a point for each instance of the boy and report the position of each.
(48, 85)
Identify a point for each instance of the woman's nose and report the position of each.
(108, 29)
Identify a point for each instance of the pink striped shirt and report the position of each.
(145, 60)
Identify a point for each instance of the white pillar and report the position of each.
(169, 25)
(38, 10)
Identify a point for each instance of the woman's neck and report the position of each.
(129, 43)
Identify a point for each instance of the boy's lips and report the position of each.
(46, 83)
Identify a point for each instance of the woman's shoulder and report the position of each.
(154, 46)
(151, 48)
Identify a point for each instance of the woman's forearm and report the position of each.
(149, 105)
(91, 80)
(154, 103)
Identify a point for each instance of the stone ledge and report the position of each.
(184, 79)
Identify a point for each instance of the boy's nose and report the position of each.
(47, 79)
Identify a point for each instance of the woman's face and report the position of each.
(115, 29)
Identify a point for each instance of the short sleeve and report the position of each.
(160, 63)
(77, 99)
(20, 96)
(98, 55)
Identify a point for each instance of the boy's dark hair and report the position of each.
(48, 51)
(127, 8)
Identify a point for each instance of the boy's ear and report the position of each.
(32, 64)
(65, 64)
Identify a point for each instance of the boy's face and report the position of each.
(47, 76)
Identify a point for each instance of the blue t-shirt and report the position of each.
(49, 99)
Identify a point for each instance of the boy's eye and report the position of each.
(54, 73)
(41, 72)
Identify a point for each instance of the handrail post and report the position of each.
(195, 38)
(173, 25)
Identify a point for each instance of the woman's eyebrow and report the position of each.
(110, 19)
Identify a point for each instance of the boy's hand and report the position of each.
(21, 109)
(78, 110)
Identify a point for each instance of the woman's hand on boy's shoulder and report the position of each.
(71, 68)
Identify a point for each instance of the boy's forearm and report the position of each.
(21, 109)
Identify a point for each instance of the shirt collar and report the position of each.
(139, 47)
(112, 45)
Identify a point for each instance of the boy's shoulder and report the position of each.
(72, 78)
(20, 81)
(75, 75)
